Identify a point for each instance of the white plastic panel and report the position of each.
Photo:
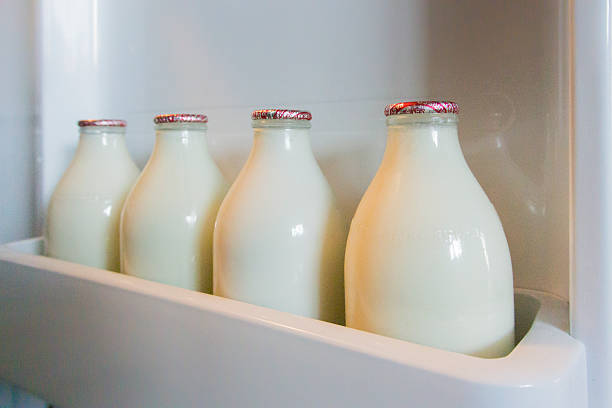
(84, 337)
(591, 298)
(505, 62)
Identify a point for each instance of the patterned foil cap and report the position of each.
(180, 118)
(402, 108)
(102, 122)
(281, 114)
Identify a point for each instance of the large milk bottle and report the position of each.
(83, 215)
(168, 218)
(427, 259)
(279, 238)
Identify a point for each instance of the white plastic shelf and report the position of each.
(83, 337)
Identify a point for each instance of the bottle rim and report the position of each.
(422, 119)
(280, 124)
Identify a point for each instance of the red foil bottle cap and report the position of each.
(402, 108)
(102, 122)
(281, 114)
(181, 118)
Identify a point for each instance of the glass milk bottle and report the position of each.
(279, 238)
(168, 218)
(83, 215)
(427, 260)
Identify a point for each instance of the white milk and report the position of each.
(83, 215)
(279, 238)
(427, 259)
(168, 218)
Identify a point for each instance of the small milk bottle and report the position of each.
(83, 215)
(427, 260)
(168, 218)
(279, 238)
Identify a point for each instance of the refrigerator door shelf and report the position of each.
(80, 336)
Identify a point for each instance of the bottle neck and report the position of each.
(422, 137)
(281, 141)
(178, 141)
(101, 141)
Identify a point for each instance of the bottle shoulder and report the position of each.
(289, 176)
(278, 200)
(400, 199)
(159, 194)
(97, 177)
(278, 189)
(172, 175)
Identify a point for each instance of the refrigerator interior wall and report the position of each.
(18, 168)
(17, 112)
